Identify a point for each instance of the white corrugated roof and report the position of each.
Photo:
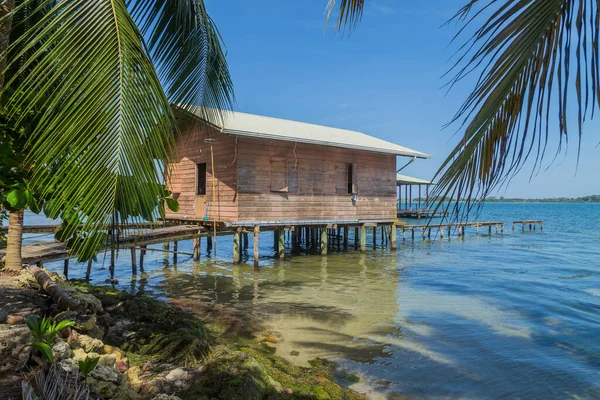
(242, 124)
(409, 180)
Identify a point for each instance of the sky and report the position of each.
(384, 79)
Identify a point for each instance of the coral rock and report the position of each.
(90, 344)
(15, 319)
(14, 349)
(121, 366)
(108, 359)
(177, 374)
(61, 350)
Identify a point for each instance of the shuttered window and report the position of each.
(341, 178)
(352, 178)
(279, 174)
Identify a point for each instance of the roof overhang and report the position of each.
(409, 180)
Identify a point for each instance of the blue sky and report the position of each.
(385, 79)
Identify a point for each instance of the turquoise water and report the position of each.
(484, 317)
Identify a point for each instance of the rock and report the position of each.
(148, 366)
(81, 355)
(3, 315)
(61, 350)
(287, 392)
(106, 390)
(108, 349)
(178, 374)
(108, 359)
(68, 365)
(163, 396)
(14, 349)
(105, 374)
(96, 332)
(15, 319)
(88, 301)
(121, 366)
(117, 333)
(73, 339)
(85, 324)
(90, 344)
(66, 332)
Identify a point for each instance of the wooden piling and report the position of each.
(324, 242)
(313, 239)
(88, 271)
(197, 249)
(345, 237)
(363, 239)
(393, 233)
(356, 237)
(236, 247)
(374, 236)
(175, 248)
(142, 254)
(256, 234)
(281, 244)
(133, 262)
(66, 268)
(209, 243)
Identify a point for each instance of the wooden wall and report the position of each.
(317, 183)
(192, 149)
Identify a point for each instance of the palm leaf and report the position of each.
(349, 13)
(104, 119)
(534, 58)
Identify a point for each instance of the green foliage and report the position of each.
(45, 350)
(104, 131)
(86, 366)
(45, 330)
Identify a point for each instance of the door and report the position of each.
(200, 205)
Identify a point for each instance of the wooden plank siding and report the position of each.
(317, 183)
(192, 149)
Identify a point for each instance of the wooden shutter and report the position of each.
(354, 178)
(279, 175)
(341, 178)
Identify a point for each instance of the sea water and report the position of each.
(513, 315)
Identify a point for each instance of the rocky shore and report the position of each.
(149, 350)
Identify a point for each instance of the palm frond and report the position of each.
(535, 58)
(349, 13)
(187, 49)
(103, 112)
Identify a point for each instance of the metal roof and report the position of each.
(257, 126)
(409, 180)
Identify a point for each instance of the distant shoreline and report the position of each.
(585, 199)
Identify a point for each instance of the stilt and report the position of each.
(256, 234)
(88, 271)
(245, 240)
(294, 240)
(133, 262)
(142, 254)
(166, 246)
(281, 244)
(324, 241)
(356, 236)
(363, 239)
(175, 248)
(393, 233)
(197, 249)
(66, 268)
(441, 233)
(313, 239)
(413, 234)
(374, 236)
(477, 230)
(209, 243)
(490, 230)
(346, 238)
(236, 248)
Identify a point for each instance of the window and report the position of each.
(349, 176)
(279, 175)
(201, 179)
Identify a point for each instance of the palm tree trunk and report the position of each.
(14, 261)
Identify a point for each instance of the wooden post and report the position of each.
(236, 247)
(477, 230)
(245, 240)
(66, 268)
(256, 234)
(175, 248)
(324, 241)
(374, 236)
(393, 234)
(522, 227)
(294, 240)
(413, 233)
(209, 243)
(197, 248)
(313, 239)
(441, 233)
(133, 262)
(513, 226)
(142, 254)
(346, 237)
(166, 246)
(490, 230)
(281, 244)
(356, 237)
(88, 271)
(363, 239)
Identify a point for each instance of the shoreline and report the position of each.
(149, 348)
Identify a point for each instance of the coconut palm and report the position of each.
(534, 58)
(100, 77)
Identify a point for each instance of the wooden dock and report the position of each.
(531, 222)
(420, 213)
(459, 228)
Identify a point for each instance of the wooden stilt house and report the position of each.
(255, 170)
